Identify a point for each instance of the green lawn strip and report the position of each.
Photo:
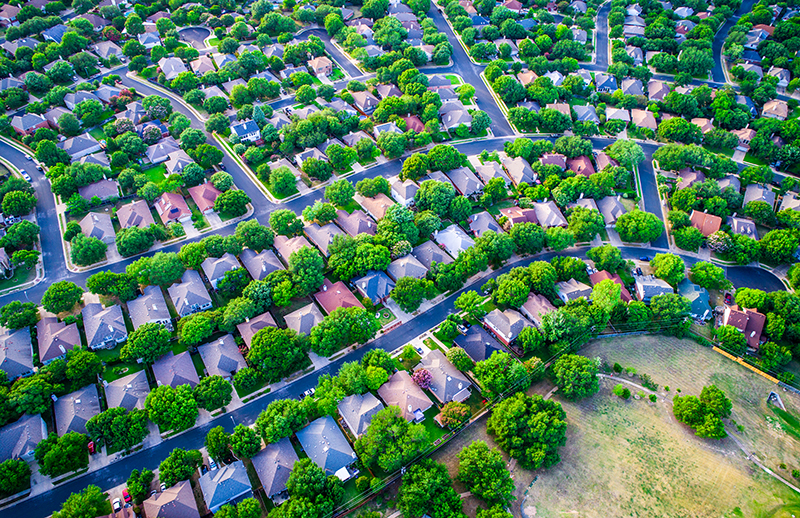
(21, 276)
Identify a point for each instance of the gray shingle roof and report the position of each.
(274, 464)
(19, 439)
(326, 445)
(128, 392)
(250, 327)
(322, 236)
(224, 485)
(259, 265)
(478, 343)
(98, 225)
(483, 222)
(304, 318)
(454, 239)
(406, 266)
(448, 383)
(429, 252)
(215, 268)
(222, 357)
(75, 409)
(136, 214)
(56, 338)
(465, 181)
(356, 223)
(103, 325)
(149, 307)
(508, 323)
(15, 352)
(176, 370)
(190, 294)
(174, 502)
(357, 411)
(376, 285)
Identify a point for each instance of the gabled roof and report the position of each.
(273, 466)
(519, 170)
(465, 181)
(698, 296)
(177, 162)
(573, 289)
(707, 224)
(587, 114)
(483, 222)
(489, 170)
(160, 151)
(648, 287)
(581, 165)
(509, 322)
(204, 195)
(406, 190)
(174, 502)
(222, 357)
(176, 370)
(106, 49)
(478, 343)
(406, 266)
(333, 296)
(429, 252)
(519, 215)
(259, 265)
(102, 324)
(56, 338)
(128, 392)
(245, 128)
(98, 225)
(16, 357)
(171, 206)
(402, 392)
(136, 214)
(251, 326)
(549, 214)
(322, 236)
(21, 437)
(611, 208)
(103, 189)
(375, 285)
(743, 226)
(377, 205)
(79, 146)
(356, 223)
(149, 307)
(215, 268)
(643, 119)
(304, 319)
(454, 239)
(358, 410)
(755, 192)
(447, 382)
(189, 292)
(326, 445)
(287, 246)
(75, 409)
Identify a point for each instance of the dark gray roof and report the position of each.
(322, 236)
(128, 392)
(16, 354)
(222, 357)
(149, 307)
(483, 222)
(465, 181)
(376, 285)
(274, 464)
(406, 266)
(429, 252)
(648, 287)
(175, 370)
(326, 445)
(215, 268)
(250, 327)
(245, 128)
(448, 383)
(259, 265)
(189, 292)
(55, 33)
(225, 484)
(19, 439)
(75, 409)
(98, 225)
(174, 502)
(478, 343)
(103, 324)
(698, 296)
(80, 146)
(304, 318)
(357, 411)
(56, 338)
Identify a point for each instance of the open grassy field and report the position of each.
(632, 458)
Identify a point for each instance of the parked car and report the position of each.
(163, 487)
(203, 469)
(27, 177)
(28, 157)
(639, 271)
(212, 465)
(309, 392)
(125, 495)
(728, 298)
(117, 505)
(644, 258)
(91, 447)
(461, 329)
(39, 168)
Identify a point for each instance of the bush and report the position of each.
(622, 392)
(653, 398)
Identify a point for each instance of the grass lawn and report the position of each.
(212, 42)
(97, 133)
(199, 366)
(409, 363)
(156, 174)
(385, 317)
(749, 157)
(454, 79)
(336, 75)
(244, 393)
(727, 152)
(435, 432)
(350, 207)
(21, 276)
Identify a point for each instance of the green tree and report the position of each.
(390, 441)
(245, 443)
(606, 257)
(306, 266)
(484, 473)
(218, 443)
(31, 395)
(427, 489)
(501, 373)
(340, 192)
(16, 314)
(409, 293)
(460, 359)
(285, 222)
(671, 313)
(638, 227)
(87, 250)
(576, 376)
(471, 303)
(232, 203)
(61, 296)
(18, 203)
(139, 484)
(731, 339)
(281, 419)
(276, 352)
(58, 455)
(15, 475)
(118, 428)
(213, 392)
(180, 465)
(90, 501)
(172, 408)
(709, 276)
(668, 267)
(147, 342)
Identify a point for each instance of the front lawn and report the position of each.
(21, 276)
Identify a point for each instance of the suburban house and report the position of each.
(226, 484)
(556, 159)
(204, 196)
(149, 307)
(136, 214)
(453, 239)
(611, 208)
(80, 146)
(287, 246)
(447, 382)
(172, 208)
(16, 352)
(536, 307)
(247, 130)
(28, 123)
(149, 39)
(98, 225)
(698, 296)
(465, 181)
(321, 66)
(174, 502)
(706, 223)
(549, 215)
(190, 295)
(273, 466)
(322, 236)
(259, 265)
(21, 437)
(519, 215)
(377, 206)
(648, 286)
(171, 67)
(251, 326)
(519, 170)
(505, 325)
(333, 296)
(128, 392)
(327, 447)
(161, 151)
(56, 338)
(429, 253)
(755, 192)
(477, 343)
(176, 370)
(106, 49)
(375, 285)
(483, 222)
(404, 192)
(104, 189)
(581, 165)
(573, 290)
(105, 327)
(643, 119)
(775, 109)
(401, 391)
(406, 266)
(748, 321)
(602, 275)
(215, 268)
(489, 170)
(304, 319)
(75, 409)
(357, 411)
(222, 357)
(365, 102)
(356, 223)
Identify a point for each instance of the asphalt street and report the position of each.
(195, 36)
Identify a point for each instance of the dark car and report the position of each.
(728, 299)
(203, 469)
(644, 258)
(639, 271)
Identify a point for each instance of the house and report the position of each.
(215, 268)
(549, 215)
(16, 353)
(55, 33)
(447, 382)
(748, 321)
(563, 108)
(632, 86)
(28, 123)
(100, 159)
(453, 239)
(704, 124)
(273, 466)
(519, 170)
(176, 370)
(53, 115)
(204, 196)
(555, 159)
(745, 135)
(136, 214)
(351, 139)
(611, 208)
(365, 102)
(322, 236)
(161, 151)
(103, 189)
(333, 296)
(637, 55)
(750, 67)
(106, 49)
(18, 440)
(643, 119)
(8, 15)
(505, 325)
(149, 40)
(573, 290)
(106, 92)
(783, 75)
(190, 295)
(247, 130)
(12, 46)
(327, 447)
(744, 227)
(517, 215)
(56, 338)
(222, 357)
(730, 181)
(657, 90)
(555, 77)
(134, 112)
(202, 65)
(358, 410)
(698, 296)
(775, 109)
(177, 162)
(605, 82)
(390, 90)
(406, 266)
(581, 165)
(287, 246)
(603, 275)
(429, 253)
(587, 114)
(684, 12)
(377, 205)
(174, 502)
(755, 192)
(401, 391)
(356, 222)
(455, 118)
(465, 181)
(75, 409)
(304, 319)
(477, 343)
(321, 66)
(489, 170)
(648, 287)
(790, 201)
(98, 225)
(12, 82)
(603, 161)
(706, 223)
(128, 392)
(482, 222)
(618, 114)
(375, 285)
(251, 326)
(259, 265)
(104, 327)
(172, 208)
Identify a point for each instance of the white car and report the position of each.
(28, 157)
(116, 504)
(212, 465)
(27, 177)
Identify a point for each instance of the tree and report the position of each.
(90, 501)
(340, 192)
(638, 227)
(559, 238)
(409, 293)
(26, 258)
(427, 489)
(484, 473)
(312, 493)
(15, 475)
(606, 296)
(576, 376)
(254, 235)
(276, 352)
(668, 267)
(536, 445)
(61, 296)
(282, 181)
(306, 266)
(285, 222)
(83, 367)
(147, 342)
(18, 203)
(139, 484)
(585, 223)
(709, 276)
(213, 392)
(58, 455)
(21, 233)
(16, 314)
(118, 428)
(704, 414)
(751, 298)
(134, 240)
(245, 443)
(180, 465)
(671, 313)
(460, 359)
(471, 303)
(454, 414)
(501, 373)
(87, 250)
(529, 238)
(172, 408)
(344, 326)
(218, 443)
(31, 395)
(390, 441)
(777, 246)
(688, 238)
(731, 339)
(281, 419)
(232, 203)
(606, 257)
